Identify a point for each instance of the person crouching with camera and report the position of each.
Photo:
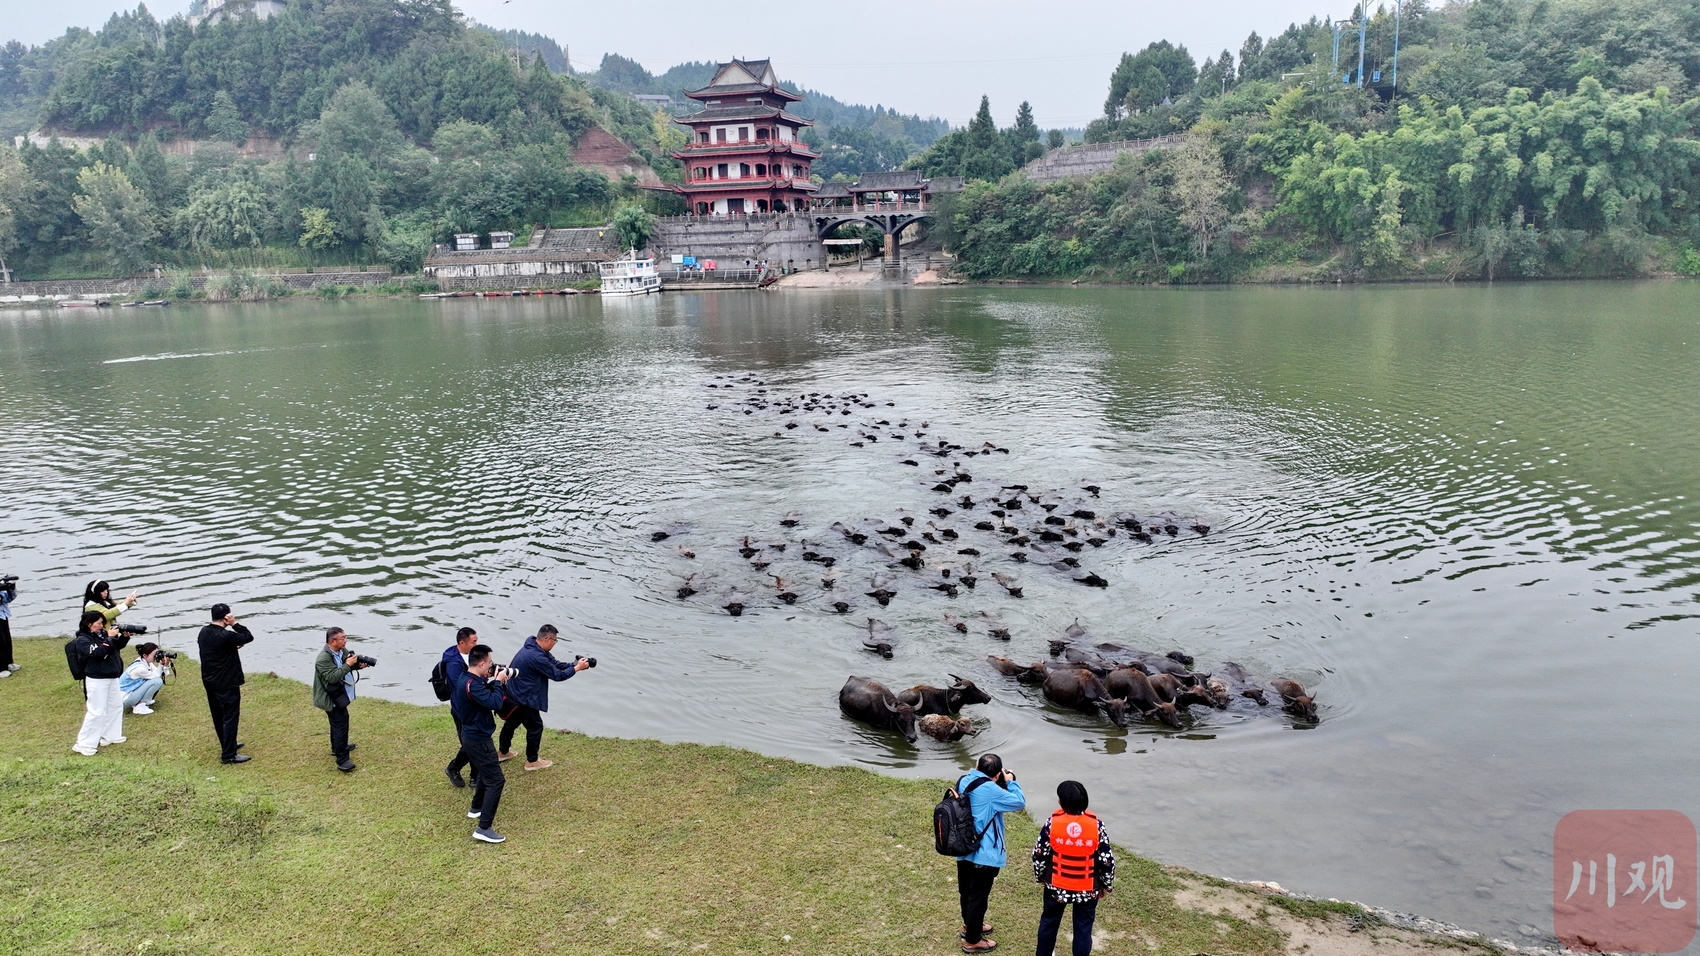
(144, 677)
(97, 647)
(476, 697)
(333, 690)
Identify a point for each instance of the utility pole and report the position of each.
(1398, 14)
(1363, 27)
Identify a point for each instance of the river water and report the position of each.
(1462, 516)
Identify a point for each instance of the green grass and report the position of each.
(624, 846)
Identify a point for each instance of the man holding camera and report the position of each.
(97, 646)
(992, 792)
(221, 675)
(454, 668)
(476, 697)
(534, 667)
(333, 690)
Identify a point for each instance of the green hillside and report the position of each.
(1525, 138)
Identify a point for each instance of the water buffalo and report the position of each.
(1217, 688)
(944, 700)
(1091, 660)
(1025, 673)
(1241, 682)
(1008, 583)
(995, 627)
(940, 727)
(1080, 689)
(1296, 699)
(1170, 688)
(1134, 688)
(880, 636)
(869, 701)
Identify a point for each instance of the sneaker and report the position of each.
(345, 765)
(5, 673)
(14, 667)
(488, 835)
(86, 753)
(113, 740)
(454, 778)
(507, 756)
(539, 764)
(474, 814)
(141, 709)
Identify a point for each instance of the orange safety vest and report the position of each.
(1074, 841)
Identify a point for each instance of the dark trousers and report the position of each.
(532, 719)
(974, 885)
(486, 774)
(5, 642)
(225, 703)
(339, 732)
(1050, 920)
(460, 759)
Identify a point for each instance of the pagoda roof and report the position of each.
(833, 191)
(743, 76)
(743, 111)
(945, 184)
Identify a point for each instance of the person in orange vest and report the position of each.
(1073, 860)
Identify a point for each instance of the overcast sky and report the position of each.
(932, 58)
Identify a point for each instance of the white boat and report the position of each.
(630, 275)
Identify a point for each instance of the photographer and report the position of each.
(976, 871)
(534, 667)
(454, 667)
(143, 679)
(476, 697)
(333, 690)
(221, 643)
(98, 597)
(97, 646)
(8, 591)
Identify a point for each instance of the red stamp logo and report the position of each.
(1623, 881)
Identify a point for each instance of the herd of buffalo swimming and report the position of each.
(945, 551)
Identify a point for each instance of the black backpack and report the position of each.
(440, 681)
(74, 660)
(953, 822)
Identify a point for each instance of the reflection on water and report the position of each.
(1459, 515)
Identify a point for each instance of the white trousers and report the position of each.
(104, 717)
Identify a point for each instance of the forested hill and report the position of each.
(1524, 138)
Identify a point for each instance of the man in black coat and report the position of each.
(221, 675)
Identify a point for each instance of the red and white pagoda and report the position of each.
(745, 154)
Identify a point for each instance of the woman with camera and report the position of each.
(144, 678)
(97, 646)
(98, 597)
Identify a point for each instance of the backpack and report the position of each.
(74, 660)
(440, 681)
(953, 822)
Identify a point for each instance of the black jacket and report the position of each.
(100, 654)
(221, 665)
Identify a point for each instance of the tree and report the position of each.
(634, 225)
(1201, 189)
(984, 155)
(227, 216)
(225, 121)
(318, 231)
(119, 218)
(1024, 138)
(1055, 139)
(14, 190)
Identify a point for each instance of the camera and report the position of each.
(580, 657)
(167, 655)
(361, 660)
(501, 670)
(9, 584)
(133, 629)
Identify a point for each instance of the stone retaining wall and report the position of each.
(74, 288)
(785, 240)
(1090, 159)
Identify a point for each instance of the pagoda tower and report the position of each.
(745, 154)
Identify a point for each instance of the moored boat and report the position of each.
(630, 275)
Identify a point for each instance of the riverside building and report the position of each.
(745, 155)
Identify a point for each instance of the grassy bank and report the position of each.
(624, 846)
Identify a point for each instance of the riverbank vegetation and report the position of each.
(1525, 138)
(623, 847)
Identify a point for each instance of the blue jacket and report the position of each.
(990, 802)
(475, 700)
(536, 668)
(453, 664)
(5, 605)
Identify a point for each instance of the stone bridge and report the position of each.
(890, 218)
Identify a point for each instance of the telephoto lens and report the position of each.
(132, 629)
(580, 657)
(167, 655)
(365, 661)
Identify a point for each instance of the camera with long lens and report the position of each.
(361, 660)
(501, 671)
(9, 585)
(167, 655)
(133, 629)
(581, 657)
